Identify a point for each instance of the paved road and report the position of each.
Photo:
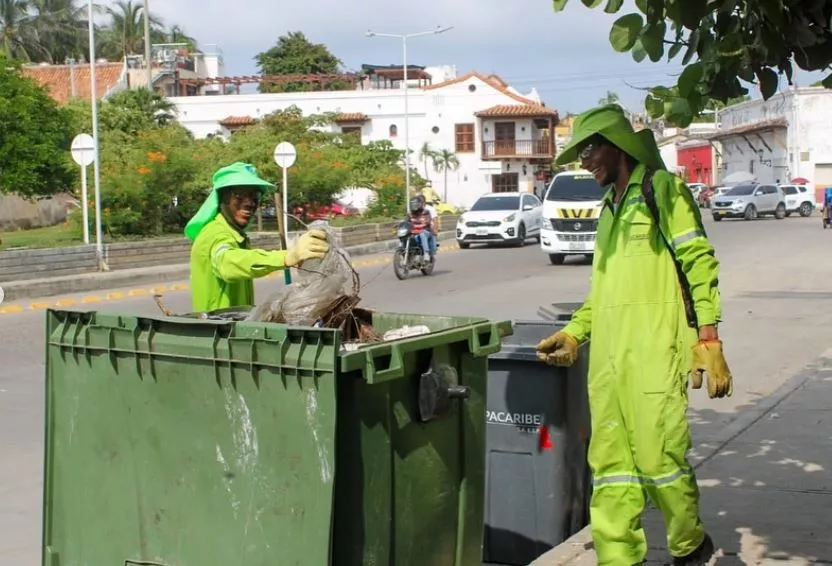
(774, 286)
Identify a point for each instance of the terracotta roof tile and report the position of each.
(492, 80)
(58, 79)
(517, 111)
(750, 128)
(351, 117)
(235, 121)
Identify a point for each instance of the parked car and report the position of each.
(705, 195)
(799, 199)
(696, 188)
(749, 201)
(500, 218)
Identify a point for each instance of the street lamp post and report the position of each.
(404, 38)
(99, 248)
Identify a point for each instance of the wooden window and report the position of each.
(505, 183)
(464, 138)
(352, 130)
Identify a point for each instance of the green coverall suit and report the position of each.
(222, 265)
(641, 353)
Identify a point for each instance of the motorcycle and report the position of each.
(409, 256)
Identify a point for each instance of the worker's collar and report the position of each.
(636, 178)
(239, 235)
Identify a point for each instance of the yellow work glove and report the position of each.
(708, 359)
(560, 349)
(312, 245)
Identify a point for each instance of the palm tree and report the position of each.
(61, 28)
(445, 160)
(125, 34)
(18, 34)
(425, 153)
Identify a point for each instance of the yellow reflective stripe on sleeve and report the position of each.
(641, 479)
(687, 236)
(215, 258)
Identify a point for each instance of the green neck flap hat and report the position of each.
(235, 175)
(610, 122)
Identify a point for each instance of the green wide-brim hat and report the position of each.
(234, 175)
(610, 122)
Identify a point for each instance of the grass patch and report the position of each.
(58, 236)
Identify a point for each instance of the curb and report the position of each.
(51, 292)
(580, 544)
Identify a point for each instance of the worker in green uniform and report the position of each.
(223, 266)
(644, 341)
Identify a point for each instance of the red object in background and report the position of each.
(544, 438)
(312, 212)
(799, 181)
(697, 161)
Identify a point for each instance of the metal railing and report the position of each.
(517, 148)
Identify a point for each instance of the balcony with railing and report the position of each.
(532, 149)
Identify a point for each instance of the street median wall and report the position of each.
(28, 264)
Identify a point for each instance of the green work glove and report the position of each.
(708, 359)
(312, 245)
(560, 349)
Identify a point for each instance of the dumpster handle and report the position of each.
(393, 369)
(129, 561)
(491, 346)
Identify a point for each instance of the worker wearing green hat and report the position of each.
(223, 266)
(652, 260)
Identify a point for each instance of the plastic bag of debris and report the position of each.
(319, 284)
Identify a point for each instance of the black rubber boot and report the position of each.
(699, 557)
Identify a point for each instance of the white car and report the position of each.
(799, 199)
(498, 218)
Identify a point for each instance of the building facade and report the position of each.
(501, 139)
(783, 138)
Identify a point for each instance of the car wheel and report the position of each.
(557, 259)
(788, 214)
(463, 245)
(717, 218)
(780, 211)
(521, 235)
(750, 212)
(805, 209)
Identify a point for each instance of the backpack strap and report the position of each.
(650, 201)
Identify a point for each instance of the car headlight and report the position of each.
(510, 218)
(401, 232)
(460, 221)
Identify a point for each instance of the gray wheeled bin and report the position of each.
(536, 497)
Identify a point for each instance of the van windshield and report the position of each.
(575, 188)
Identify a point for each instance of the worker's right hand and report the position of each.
(312, 245)
(560, 349)
(709, 361)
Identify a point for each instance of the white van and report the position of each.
(571, 209)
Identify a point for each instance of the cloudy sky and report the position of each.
(565, 56)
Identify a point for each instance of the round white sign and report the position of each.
(285, 155)
(2, 295)
(83, 149)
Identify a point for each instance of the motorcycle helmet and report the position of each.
(417, 203)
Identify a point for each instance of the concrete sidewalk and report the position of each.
(766, 483)
(69, 284)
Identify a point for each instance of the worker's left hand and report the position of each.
(709, 361)
(312, 245)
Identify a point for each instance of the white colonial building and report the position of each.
(783, 138)
(501, 138)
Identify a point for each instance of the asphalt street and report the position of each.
(774, 285)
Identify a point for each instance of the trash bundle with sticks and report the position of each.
(325, 294)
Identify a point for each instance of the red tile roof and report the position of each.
(237, 121)
(351, 117)
(492, 80)
(517, 111)
(58, 79)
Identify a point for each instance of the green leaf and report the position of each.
(674, 10)
(654, 106)
(693, 45)
(592, 3)
(638, 52)
(559, 5)
(613, 6)
(769, 81)
(652, 38)
(690, 79)
(624, 32)
(693, 13)
(681, 113)
(827, 82)
(661, 92)
(642, 6)
(674, 50)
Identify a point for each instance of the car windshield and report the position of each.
(575, 188)
(789, 190)
(740, 190)
(496, 203)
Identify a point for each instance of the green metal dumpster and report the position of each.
(175, 442)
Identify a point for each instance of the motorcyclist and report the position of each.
(423, 226)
